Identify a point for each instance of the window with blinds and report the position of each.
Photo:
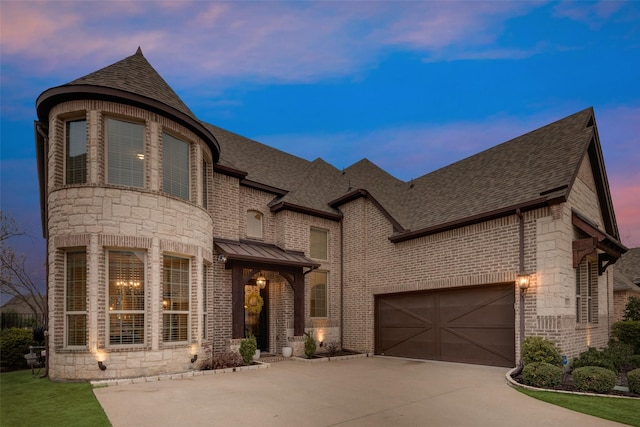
(75, 152)
(126, 279)
(254, 224)
(76, 298)
(175, 166)
(125, 153)
(175, 299)
(319, 248)
(318, 293)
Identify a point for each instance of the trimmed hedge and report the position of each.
(633, 379)
(14, 344)
(634, 361)
(628, 331)
(593, 357)
(542, 374)
(620, 354)
(594, 379)
(539, 349)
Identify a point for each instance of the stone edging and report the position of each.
(513, 383)
(330, 359)
(176, 376)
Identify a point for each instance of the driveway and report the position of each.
(374, 391)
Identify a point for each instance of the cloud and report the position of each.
(594, 14)
(265, 41)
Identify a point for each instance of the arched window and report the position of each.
(254, 224)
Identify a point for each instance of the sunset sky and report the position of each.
(412, 86)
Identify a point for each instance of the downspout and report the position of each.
(521, 291)
(341, 283)
(45, 190)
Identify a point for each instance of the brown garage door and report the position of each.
(470, 325)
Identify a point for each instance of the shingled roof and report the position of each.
(529, 171)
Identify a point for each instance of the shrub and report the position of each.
(248, 347)
(634, 361)
(538, 349)
(542, 374)
(594, 378)
(593, 357)
(632, 309)
(333, 348)
(619, 353)
(228, 359)
(309, 346)
(628, 331)
(633, 379)
(14, 344)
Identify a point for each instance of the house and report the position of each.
(25, 311)
(167, 235)
(626, 281)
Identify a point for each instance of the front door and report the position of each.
(256, 318)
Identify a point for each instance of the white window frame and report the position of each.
(313, 248)
(313, 308)
(112, 307)
(255, 224)
(167, 311)
(136, 158)
(67, 149)
(176, 178)
(74, 313)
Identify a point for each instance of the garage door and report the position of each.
(470, 325)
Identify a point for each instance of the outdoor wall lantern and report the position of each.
(522, 279)
(222, 258)
(194, 358)
(102, 366)
(261, 281)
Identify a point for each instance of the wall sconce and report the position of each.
(194, 358)
(522, 279)
(222, 258)
(261, 281)
(102, 366)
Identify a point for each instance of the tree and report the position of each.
(15, 279)
(632, 309)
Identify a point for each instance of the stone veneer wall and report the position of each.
(98, 217)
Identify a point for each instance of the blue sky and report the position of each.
(412, 86)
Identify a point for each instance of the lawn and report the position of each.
(626, 411)
(29, 401)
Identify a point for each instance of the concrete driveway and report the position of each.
(374, 391)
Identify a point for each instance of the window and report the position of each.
(205, 273)
(76, 298)
(175, 166)
(126, 297)
(125, 153)
(76, 152)
(318, 302)
(175, 299)
(254, 224)
(318, 243)
(205, 183)
(587, 291)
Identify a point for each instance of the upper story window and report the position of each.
(206, 175)
(254, 224)
(319, 243)
(175, 166)
(125, 153)
(76, 152)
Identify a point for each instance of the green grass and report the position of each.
(626, 411)
(29, 401)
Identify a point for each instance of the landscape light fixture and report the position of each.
(194, 358)
(102, 366)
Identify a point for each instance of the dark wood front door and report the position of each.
(258, 323)
(470, 325)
